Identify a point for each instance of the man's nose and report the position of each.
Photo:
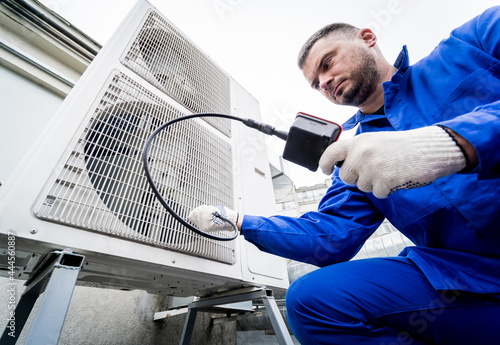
(324, 82)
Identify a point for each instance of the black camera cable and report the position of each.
(261, 127)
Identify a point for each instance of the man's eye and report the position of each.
(327, 63)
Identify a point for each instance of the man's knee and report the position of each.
(302, 311)
(295, 297)
(321, 309)
(302, 299)
(320, 296)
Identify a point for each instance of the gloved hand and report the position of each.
(384, 162)
(206, 218)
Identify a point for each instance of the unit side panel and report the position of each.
(254, 190)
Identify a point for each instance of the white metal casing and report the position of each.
(120, 257)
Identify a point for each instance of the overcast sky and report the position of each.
(256, 41)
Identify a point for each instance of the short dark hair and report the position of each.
(340, 29)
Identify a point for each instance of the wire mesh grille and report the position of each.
(102, 186)
(164, 57)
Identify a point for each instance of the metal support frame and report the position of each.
(56, 276)
(214, 304)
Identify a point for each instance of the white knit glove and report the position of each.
(384, 162)
(206, 218)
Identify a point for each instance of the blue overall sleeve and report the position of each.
(345, 219)
(481, 127)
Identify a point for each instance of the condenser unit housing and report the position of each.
(82, 184)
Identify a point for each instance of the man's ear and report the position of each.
(368, 36)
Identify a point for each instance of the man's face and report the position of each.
(344, 71)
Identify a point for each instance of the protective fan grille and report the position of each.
(102, 186)
(168, 60)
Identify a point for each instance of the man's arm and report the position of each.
(478, 133)
(346, 218)
(467, 148)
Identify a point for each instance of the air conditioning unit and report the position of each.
(82, 184)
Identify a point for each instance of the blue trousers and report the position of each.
(387, 301)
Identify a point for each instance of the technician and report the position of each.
(426, 157)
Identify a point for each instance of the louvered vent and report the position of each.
(102, 187)
(168, 60)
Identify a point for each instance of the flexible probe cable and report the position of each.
(261, 127)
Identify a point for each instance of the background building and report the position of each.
(303, 199)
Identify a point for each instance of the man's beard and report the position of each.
(365, 80)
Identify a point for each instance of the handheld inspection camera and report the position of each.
(308, 138)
